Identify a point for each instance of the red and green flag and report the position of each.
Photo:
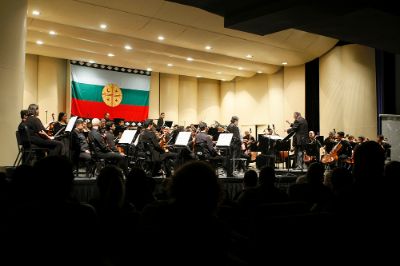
(97, 89)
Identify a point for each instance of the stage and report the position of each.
(85, 188)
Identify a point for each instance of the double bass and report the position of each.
(332, 156)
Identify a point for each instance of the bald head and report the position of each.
(96, 122)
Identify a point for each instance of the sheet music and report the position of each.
(127, 136)
(71, 124)
(224, 139)
(183, 138)
(274, 137)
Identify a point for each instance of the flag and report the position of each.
(99, 89)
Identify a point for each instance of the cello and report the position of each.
(332, 156)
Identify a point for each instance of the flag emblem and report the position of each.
(112, 95)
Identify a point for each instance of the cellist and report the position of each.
(346, 150)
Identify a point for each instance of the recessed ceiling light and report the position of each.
(92, 61)
(284, 63)
(249, 56)
(36, 12)
(219, 72)
(103, 26)
(161, 38)
(208, 47)
(39, 42)
(110, 54)
(240, 68)
(198, 76)
(149, 69)
(223, 79)
(52, 32)
(128, 47)
(259, 72)
(170, 65)
(189, 59)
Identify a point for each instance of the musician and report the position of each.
(313, 145)
(79, 142)
(346, 151)
(300, 128)
(329, 142)
(24, 116)
(160, 121)
(360, 140)
(38, 135)
(107, 117)
(109, 136)
(102, 150)
(61, 123)
(352, 141)
(249, 141)
(148, 141)
(385, 145)
(235, 148)
(203, 142)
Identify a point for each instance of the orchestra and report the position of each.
(154, 143)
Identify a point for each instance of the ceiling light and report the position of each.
(219, 72)
(249, 56)
(240, 68)
(284, 63)
(198, 76)
(161, 38)
(52, 32)
(128, 47)
(189, 59)
(36, 12)
(103, 26)
(170, 65)
(92, 61)
(223, 79)
(208, 47)
(149, 69)
(110, 55)
(39, 42)
(259, 72)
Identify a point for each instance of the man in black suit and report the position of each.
(235, 149)
(300, 129)
(160, 122)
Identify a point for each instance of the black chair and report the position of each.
(18, 160)
(30, 152)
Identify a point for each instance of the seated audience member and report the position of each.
(139, 189)
(250, 181)
(190, 219)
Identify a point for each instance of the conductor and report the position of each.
(300, 129)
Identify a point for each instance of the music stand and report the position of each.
(284, 145)
(127, 136)
(71, 124)
(168, 124)
(126, 139)
(182, 139)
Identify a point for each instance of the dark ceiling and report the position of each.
(371, 23)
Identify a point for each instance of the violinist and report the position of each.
(352, 141)
(203, 143)
(148, 140)
(250, 142)
(38, 135)
(109, 136)
(61, 123)
(312, 148)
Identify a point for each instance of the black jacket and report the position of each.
(232, 128)
(98, 143)
(300, 127)
(79, 142)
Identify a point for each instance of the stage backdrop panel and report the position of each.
(97, 89)
(391, 130)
